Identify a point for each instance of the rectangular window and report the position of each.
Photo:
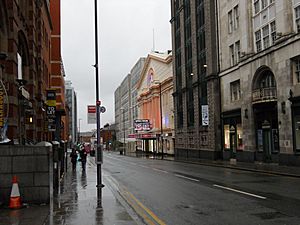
(273, 31)
(231, 52)
(236, 17)
(297, 18)
(264, 4)
(256, 7)
(297, 71)
(237, 51)
(266, 37)
(258, 40)
(235, 90)
(230, 22)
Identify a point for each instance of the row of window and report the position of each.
(260, 5)
(266, 36)
(233, 19)
(234, 51)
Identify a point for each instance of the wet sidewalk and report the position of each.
(75, 205)
(77, 202)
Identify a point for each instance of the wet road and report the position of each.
(168, 192)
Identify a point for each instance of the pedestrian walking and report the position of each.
(73, 156)
(83, 155)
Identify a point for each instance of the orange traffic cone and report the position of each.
(15, 199)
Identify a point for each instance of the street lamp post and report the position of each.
(99, 149)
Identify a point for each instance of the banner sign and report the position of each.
(92, 114)
(205, 115)
(51, 109)
(3, 113)
(142, 125)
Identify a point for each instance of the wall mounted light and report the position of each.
(205, 65)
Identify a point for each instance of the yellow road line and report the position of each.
(159, 221)
(148, 216)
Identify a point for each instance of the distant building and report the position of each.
(71, 100)
(126, 109)
(155, 104)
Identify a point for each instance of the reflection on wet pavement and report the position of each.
(77, 202)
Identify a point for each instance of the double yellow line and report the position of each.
(142, 211)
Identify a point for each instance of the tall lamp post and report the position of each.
(123, 112)
(99, 159)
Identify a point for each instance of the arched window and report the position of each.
(266, 80)
(3, 27)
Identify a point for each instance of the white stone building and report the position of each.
(259, 60)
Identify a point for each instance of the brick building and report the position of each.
(25, 40)
(196, 85)
(30, 64)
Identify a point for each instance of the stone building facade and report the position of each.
(30, 62)
(25, 42)
(155, 105)
(196, 85)
(259, 76)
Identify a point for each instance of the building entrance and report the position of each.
(267, 138)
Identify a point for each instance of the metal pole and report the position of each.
(99, 150)
(161, 123)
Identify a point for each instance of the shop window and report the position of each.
(226, 137)
(239, 136)
(233, 136)
(297, 131)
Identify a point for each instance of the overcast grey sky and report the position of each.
(125, 34)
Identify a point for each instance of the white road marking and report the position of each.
(159, 170)
(188, 178)
(238, 191)
(145, 166)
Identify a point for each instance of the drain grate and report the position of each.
(269, 215)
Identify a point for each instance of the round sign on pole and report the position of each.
(102, 109)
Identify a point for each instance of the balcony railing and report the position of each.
(267, 94)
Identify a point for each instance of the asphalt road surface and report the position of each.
(175, 193)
